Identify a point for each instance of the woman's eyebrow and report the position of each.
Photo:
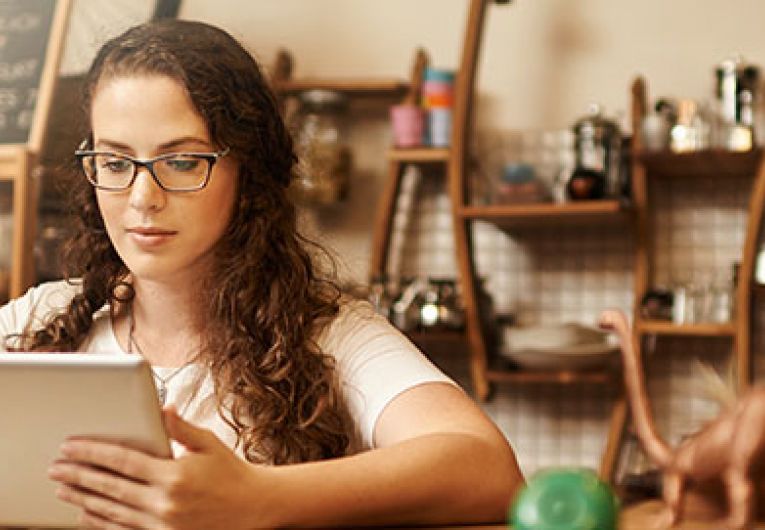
(109, 144)
(184, 141)
(167, 146)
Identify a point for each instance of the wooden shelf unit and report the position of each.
(509, 216)
(419, 155)
(464, 214)
(703, 329)
(705, 163)
(715, 163)
(504, 216)
(439, 337)
(647, 169)
(561, 377)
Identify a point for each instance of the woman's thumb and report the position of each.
(187, 434)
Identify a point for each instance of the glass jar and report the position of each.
(723, 300)
(324, 160)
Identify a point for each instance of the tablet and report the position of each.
(46, 397)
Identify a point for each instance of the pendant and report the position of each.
(162, 393)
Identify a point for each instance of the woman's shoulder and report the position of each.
(50, 294)
(358, 326)
(355, 313)
(36, 305)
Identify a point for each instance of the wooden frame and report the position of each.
(462, 123)
(49, 75)
(18, 160)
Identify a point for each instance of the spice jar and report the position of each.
(324, 160)
(692, 130)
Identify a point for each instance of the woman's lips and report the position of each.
(150, 237)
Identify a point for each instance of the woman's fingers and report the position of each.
(128, 462)
(104, 483)
(90, 520)
(103, 512)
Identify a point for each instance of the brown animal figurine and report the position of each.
(715, 474)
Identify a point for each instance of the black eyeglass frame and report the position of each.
(148, 163)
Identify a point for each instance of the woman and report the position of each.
(288, 405)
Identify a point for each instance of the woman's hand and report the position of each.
(207, 487)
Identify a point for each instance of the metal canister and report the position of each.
(598, 148)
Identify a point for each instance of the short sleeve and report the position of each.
(375, 363)
(34, 308)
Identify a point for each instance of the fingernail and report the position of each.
(66, 448)
(54, 472)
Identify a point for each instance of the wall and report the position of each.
(543, 61)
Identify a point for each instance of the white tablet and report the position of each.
(46, 397)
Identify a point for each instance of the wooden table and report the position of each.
(636, 517)
(641, 516)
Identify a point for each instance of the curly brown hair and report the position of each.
(267, 298)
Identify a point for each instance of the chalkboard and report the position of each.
(25, 29)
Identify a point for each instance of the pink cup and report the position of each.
(408, 125)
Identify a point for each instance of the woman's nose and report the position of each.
(146, 194)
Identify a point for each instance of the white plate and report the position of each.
(552, 337)
(575, 357)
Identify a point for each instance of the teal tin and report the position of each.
(438, 74)
(565, 499)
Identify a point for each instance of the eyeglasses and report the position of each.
(172, 172)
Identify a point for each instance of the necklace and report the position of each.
(161, 381)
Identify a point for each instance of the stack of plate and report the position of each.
(567, 346)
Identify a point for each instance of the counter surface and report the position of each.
(636, 517)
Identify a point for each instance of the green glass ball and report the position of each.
(565, 499)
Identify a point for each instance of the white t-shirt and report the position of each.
(375, 362)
